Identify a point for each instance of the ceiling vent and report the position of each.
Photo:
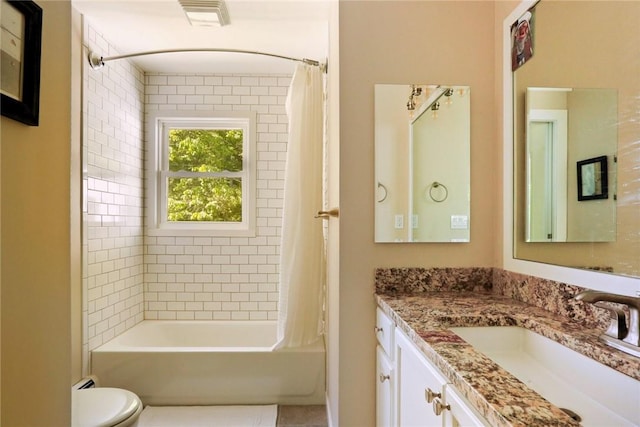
(206, 13)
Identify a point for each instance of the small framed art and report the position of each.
(21, 23)
(592, 179)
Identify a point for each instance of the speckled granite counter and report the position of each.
(426, 315)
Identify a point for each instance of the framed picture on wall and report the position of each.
(592, 179)
(21, 26)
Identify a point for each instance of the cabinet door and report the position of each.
(415, 377)
(460, 413)
(385, 380)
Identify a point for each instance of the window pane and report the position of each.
(205, 199)
(205, 150)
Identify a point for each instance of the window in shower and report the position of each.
(204, 171)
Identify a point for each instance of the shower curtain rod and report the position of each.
(96, 61)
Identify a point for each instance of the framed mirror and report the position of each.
(422, 163)
(586, 56)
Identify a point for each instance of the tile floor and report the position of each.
(302, 416)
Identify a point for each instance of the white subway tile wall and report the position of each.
(226, 278)
(127, 276)
(113, 237)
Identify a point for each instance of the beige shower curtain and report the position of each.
(302, 254)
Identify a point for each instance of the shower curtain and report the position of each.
(302, 253)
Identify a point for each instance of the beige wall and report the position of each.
(35, 243)
(401, 42)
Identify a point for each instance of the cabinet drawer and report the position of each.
(385, 332)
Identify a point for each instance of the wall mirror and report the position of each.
(422, 163)
(576, 151)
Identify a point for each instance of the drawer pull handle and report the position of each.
(439, 407)
(377, 329)
(383, 377)
(429, 395)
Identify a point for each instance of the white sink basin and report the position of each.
(601, 396)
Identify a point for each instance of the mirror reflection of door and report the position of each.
(547, 176)
(563, 127)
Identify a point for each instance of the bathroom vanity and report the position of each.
(411, 387)
(427, 374)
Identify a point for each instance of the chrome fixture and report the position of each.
(618, 335)
(434, 105)
(206, 13)
(386, 192)
(441, 197)
(96, 61)
(415, 92)
(448, 93)
(434, 109)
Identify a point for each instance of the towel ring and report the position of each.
(437, 184)
(381, 185)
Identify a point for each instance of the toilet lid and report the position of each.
(102, 407)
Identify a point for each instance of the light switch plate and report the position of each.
(459, 222)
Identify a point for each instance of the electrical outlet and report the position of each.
(414, 221)
(399, 221)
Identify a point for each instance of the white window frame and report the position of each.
(157, 174)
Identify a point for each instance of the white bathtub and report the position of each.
(169, 362)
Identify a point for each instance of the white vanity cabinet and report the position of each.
(419, 387)
(410, 390)
(460, 413)
(385, 370)
(424, 396)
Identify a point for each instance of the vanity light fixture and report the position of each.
(448, 94)
(206, 13)
(416, 91)
(434, 109)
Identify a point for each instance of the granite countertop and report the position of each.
(501, 398)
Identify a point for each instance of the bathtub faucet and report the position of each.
(618, 335)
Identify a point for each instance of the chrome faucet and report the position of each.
(618, 335)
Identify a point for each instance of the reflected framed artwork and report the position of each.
(522, 39)
(21, 26)
(592, 179)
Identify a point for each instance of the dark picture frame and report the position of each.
(592, 179)
(20, 72)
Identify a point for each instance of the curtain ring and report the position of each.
(381, 185)
(437, 184)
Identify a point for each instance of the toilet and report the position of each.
(104, 407)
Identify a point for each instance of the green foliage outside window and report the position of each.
(205, 198)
